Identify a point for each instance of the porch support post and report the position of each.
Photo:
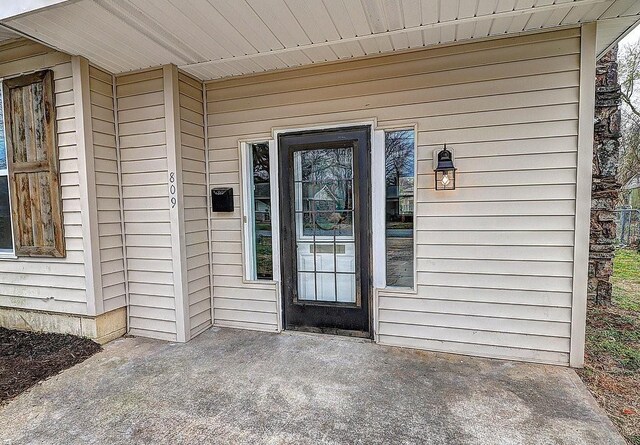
(87, 185)
(583, 193)
(176, 200)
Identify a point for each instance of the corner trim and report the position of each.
(583, 194)
(174, 164)
(123, 231)
(86, 171)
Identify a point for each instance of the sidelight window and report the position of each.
(399, 215)
(258, 212)
(6, 239)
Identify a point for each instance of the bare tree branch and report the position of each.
(629, 77)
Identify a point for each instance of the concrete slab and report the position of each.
(232, 386)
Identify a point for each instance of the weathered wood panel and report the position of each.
(32, 158)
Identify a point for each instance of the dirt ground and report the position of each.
(27, 358)
(612, 368)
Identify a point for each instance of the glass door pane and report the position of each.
(324, 219)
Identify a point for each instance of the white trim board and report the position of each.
(176, 210)
(583, 194)
(247, 210)
(274, 174)
(378, 201)
(87, 184)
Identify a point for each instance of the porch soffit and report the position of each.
(213, 39)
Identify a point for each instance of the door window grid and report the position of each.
(322, 201)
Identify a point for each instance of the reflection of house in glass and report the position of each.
(400, 200)
(262, 202)
(324, 200)
(327, 212)
(262, 211)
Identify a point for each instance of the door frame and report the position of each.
(376, 192)
(352, 319)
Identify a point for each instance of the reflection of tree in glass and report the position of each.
(260, 162)
(326, 165)
(3, 152)
(262, 211)
(399, 172)
(328, 188)
(398, 155)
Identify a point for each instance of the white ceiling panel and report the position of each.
(219, 38)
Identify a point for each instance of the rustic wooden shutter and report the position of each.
(32, 155)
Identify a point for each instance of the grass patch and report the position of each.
(626, 280)
(612, 358)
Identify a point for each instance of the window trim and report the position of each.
(7, 253)
(249, 273)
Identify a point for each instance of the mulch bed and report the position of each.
(27, 358)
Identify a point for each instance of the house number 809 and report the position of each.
(172, 188)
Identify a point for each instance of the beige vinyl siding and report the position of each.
(107, 189)
(236, 303)
(145, 192)
(195, 199)
(51, 284)
(494, 257)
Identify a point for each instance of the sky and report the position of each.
(632, 37)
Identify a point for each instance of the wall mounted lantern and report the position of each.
(445, 171)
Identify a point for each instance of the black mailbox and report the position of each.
(222, 200)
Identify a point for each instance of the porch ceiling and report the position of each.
(219, 38)
(6, 34)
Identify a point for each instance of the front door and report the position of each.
(325, 230)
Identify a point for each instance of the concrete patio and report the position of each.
(232, 386)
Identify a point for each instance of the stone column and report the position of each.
(605, 188)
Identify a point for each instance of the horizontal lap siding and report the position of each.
(143, 156)
(494, 257)
(194, 180)
(107, 189)
(51, 284)
(236, 303)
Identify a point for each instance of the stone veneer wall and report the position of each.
(605, 188)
